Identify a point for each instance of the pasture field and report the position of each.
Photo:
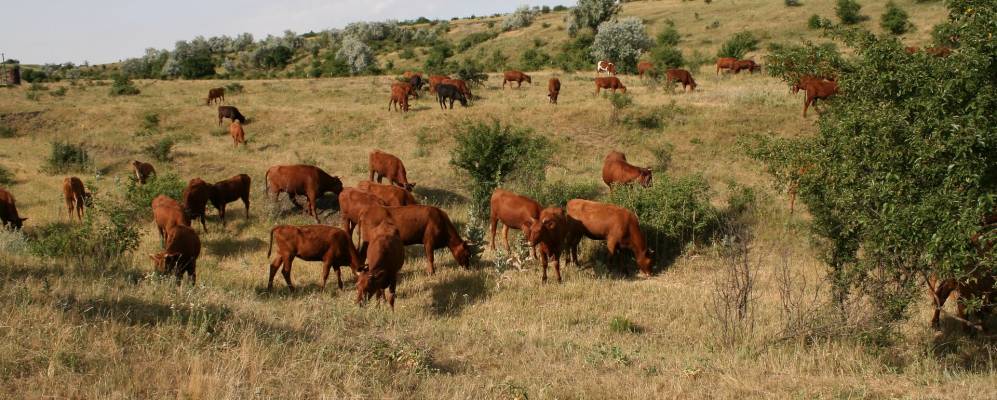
(492, 331)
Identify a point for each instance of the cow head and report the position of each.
(551, 221)
(645, 177)
(461, 98)
(165, 262)
(364, 290)
(528, 79)
(17, 223)
(462, 254)
(645, 262)
(409, 186)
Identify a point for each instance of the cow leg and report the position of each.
(339, 277)
(286, 272)
(557, 266)
(543, 262)
(325, 272)
(493, 223)
(533, 249)
(203, 224)
(311, 208)
(941, 294)
(192, 273)
(806, 104)
(429, 255)
(505, 234)
(221, 213)
(612, 246)
(391, 293)
(274, 265)
(245, 202)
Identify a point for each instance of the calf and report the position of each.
(238, 135)
(644, 67)
(195, 199)
(183, 247)
(548, 232)
(605, 66)
(446, 92)
(142, 171)
(167, 213)
(803, 80)
(682, 76)
(609, 82)
(513, 211)
(616, 225)
(352, 204)
(304, 180)
(384, 165)
(436, 80)
(616, 170)
(231, 113)
(215, 95)
(553, 90)
(229, 190)
(425, 225)
(749, 65)
(461, 86)
(390, 195)
(323, 243)
(818, 90)
(938, 51)
(399, 97)
(725, 63)
(385, 258)
(8, 211)
(76, 196)
(515, 76)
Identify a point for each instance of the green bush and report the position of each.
(7, 132)
(792, 62)
(816, 22)
(473, 39)
(123, 86)
(103, 242)
(161, 151)
(138, 197)
(894, 20)
(534, 59)
(471, 72)
(150, 121)
(619, 102)
(574, 54)
(738, 45)
(234, 88)
(60, 92)
(622, 325)
(662, 157)
(557, 193)
(66, 157)
(848, 12)
(6, 177)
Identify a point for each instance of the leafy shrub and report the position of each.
(623, 325)
(437, 60)
(161, 151)
(662, 156)
(471, 72)
(795, 61)
(6, 177)
(123, 86)
(356, 54)
(65, 157)
(894, 20)
(7, 132)
(150, 121)
(406, 54)
(534, 59)
(521, 18)
(474, 39)
(666, 57)
(816, 22)
(738, 45)
(619, 101)
(234, 88)
(557, 193)
(60, 92)
(621, 41)
(491, 154)
(574, 54)
(138, 197)
(591, 14)
(560, 8)
(103, 242)
(848, 12)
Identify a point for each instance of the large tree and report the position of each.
(591, 13)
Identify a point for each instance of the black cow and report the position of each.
(446, 92)
(416, 82)
(231, 113)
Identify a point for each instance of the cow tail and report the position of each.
(270, 248)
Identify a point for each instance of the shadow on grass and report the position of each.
(280, 290)
(438, 197)
(226, 247)
(452, 296)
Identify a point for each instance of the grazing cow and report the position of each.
(231, 113)
(390, 195)
(410, 89)
(195, 199)
(446, 92)
(183, 246)
(748, 65)
(818, 90)
(167, 213)
(682, 76)
(76, 196)
(410, 74)
(436, 80)
(216, 95)
(399, 96)
(352, 204)
(425, 225)
(803, 80)
(515, 76)
(605, 66)
(416, 82)
(911, 49)
(982, 286)
(616, 225)
(238, 135)
(8, 211)
(304, 180)
(609, 82)
(725, 63)
(461, 85)
(616, 170)
(330, 245)
(513, 211)
(142, 171)
(383, 165)
(385, 257)
(644, 67)
(553, 90)
(938, 51)
(549, 232)
(229, 190)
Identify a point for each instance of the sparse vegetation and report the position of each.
(161, 150)
(6, 177)
(67, 157)
(123, 86)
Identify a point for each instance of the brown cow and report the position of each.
(384, 165)
(515, 76)
(682, 76)
(390, 195)
(818, 90)
(328, 244)
(725, 63)
(802, 81)
(616, 225)
(553, 90)
(238, 135)
(385, 258)
(938, 51)
(644, 67)
(167, 213)
(436, 80)
(8, 211)
(911, 49)
(229, 190)
(513, 211)
(183, 247)
(605, 66)
(195, 199)
(609, 82)
(408, 87)
(980, 287)
(142, 171)
(410, 74)
(215, 95)
(616, 170)
(461, 86)
(304, 180)
(749, 65)
(549, 232)
(425, 225)
(352, 204)
(399, 96)
(76, 196)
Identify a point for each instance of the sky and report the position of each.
(103, 31)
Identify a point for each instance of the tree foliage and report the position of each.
(356, 54)
(665, 54)
(738, 45)
(791, 62)
(848, 12)
(621, 41)
(894, 20)
(521, 18)
(591, 14)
